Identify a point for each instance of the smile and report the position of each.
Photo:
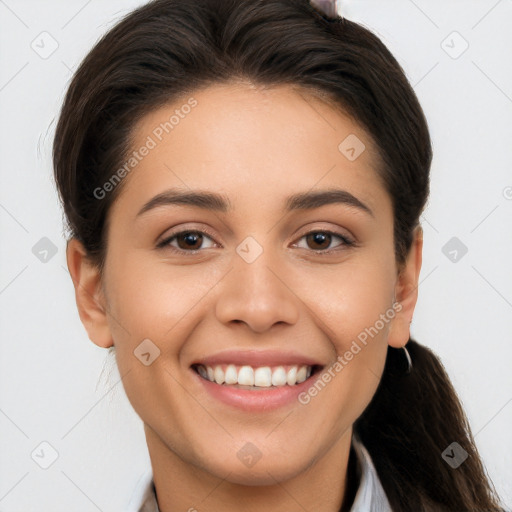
(255, 380)
(249, 377)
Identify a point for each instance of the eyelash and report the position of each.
(347, 242)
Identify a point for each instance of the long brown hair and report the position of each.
(167, 49)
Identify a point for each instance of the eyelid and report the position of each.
(203, 230)
(347, 240)
(333, 231)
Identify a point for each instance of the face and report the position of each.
(267, 277)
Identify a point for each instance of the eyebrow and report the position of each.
(220, 203)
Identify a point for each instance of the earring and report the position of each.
(409, 361)
(327, 7)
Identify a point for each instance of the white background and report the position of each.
(51, 383)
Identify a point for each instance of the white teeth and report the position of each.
(302, 374)
(231, 376)
(218, 375)
(246, 376)
(263, 376)
(291, 377)
(279, 376)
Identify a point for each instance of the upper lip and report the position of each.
(256, 358)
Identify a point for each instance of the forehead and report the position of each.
(250, 141)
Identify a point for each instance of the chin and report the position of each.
(263, 471)
(263, 474)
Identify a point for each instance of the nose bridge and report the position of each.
(254, 292)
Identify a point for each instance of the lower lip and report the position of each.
(265, 399)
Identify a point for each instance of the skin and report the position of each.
(255, 146)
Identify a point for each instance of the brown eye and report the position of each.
(186, 241)
(189, 240)
(319, 240)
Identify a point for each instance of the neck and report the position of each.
(180, 486)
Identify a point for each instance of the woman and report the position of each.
(243, 182)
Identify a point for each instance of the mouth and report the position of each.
(256, 378)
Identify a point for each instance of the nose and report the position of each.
(257, 294)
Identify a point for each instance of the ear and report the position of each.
(406, 293)
(89, 295)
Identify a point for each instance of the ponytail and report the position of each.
(410, 422)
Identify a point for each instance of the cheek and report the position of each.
(354, 309)
(352, 299)
(151, 299)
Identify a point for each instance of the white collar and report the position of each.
(370, 496)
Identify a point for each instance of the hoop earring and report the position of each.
(409, 360)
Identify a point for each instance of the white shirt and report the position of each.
(370, 496)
